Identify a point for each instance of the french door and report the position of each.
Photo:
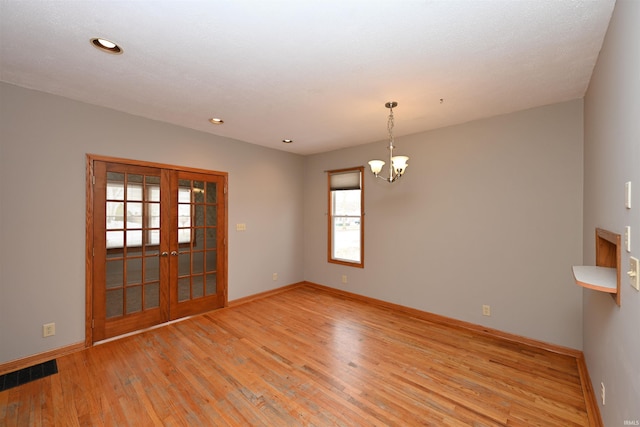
(158, 245)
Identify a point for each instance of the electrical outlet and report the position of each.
(344, 278)
(486, 310)
(48, 329)
(602, 392)
(275, 276)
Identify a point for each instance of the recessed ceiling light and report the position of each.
(287, 141)
(106, 45)
(216, 121)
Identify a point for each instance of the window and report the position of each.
(346, 217)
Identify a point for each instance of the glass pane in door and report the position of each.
(197, 238)
(132, 241)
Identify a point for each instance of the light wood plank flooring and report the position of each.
(304, 357)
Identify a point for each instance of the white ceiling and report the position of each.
(316, 71)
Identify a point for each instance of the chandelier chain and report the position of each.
(390, 126)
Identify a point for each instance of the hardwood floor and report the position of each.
(304, 357)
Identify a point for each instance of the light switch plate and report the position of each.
(627, 238)
(627, 194)
(634, 273)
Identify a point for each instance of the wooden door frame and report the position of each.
(89, 264)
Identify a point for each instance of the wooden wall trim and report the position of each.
(436, 318)
(25, 362)
(92, 157)
(88, 256)
(593, 411)
(254, 297)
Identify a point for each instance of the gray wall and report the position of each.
(489, 212)
(611, 158)
(44, 139)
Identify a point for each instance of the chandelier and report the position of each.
(397, 164)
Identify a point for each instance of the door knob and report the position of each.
(174, 253)
(164, 254)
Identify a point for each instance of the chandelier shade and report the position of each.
(376, 166)
(399, 163)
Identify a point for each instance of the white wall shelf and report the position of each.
(603, 279)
